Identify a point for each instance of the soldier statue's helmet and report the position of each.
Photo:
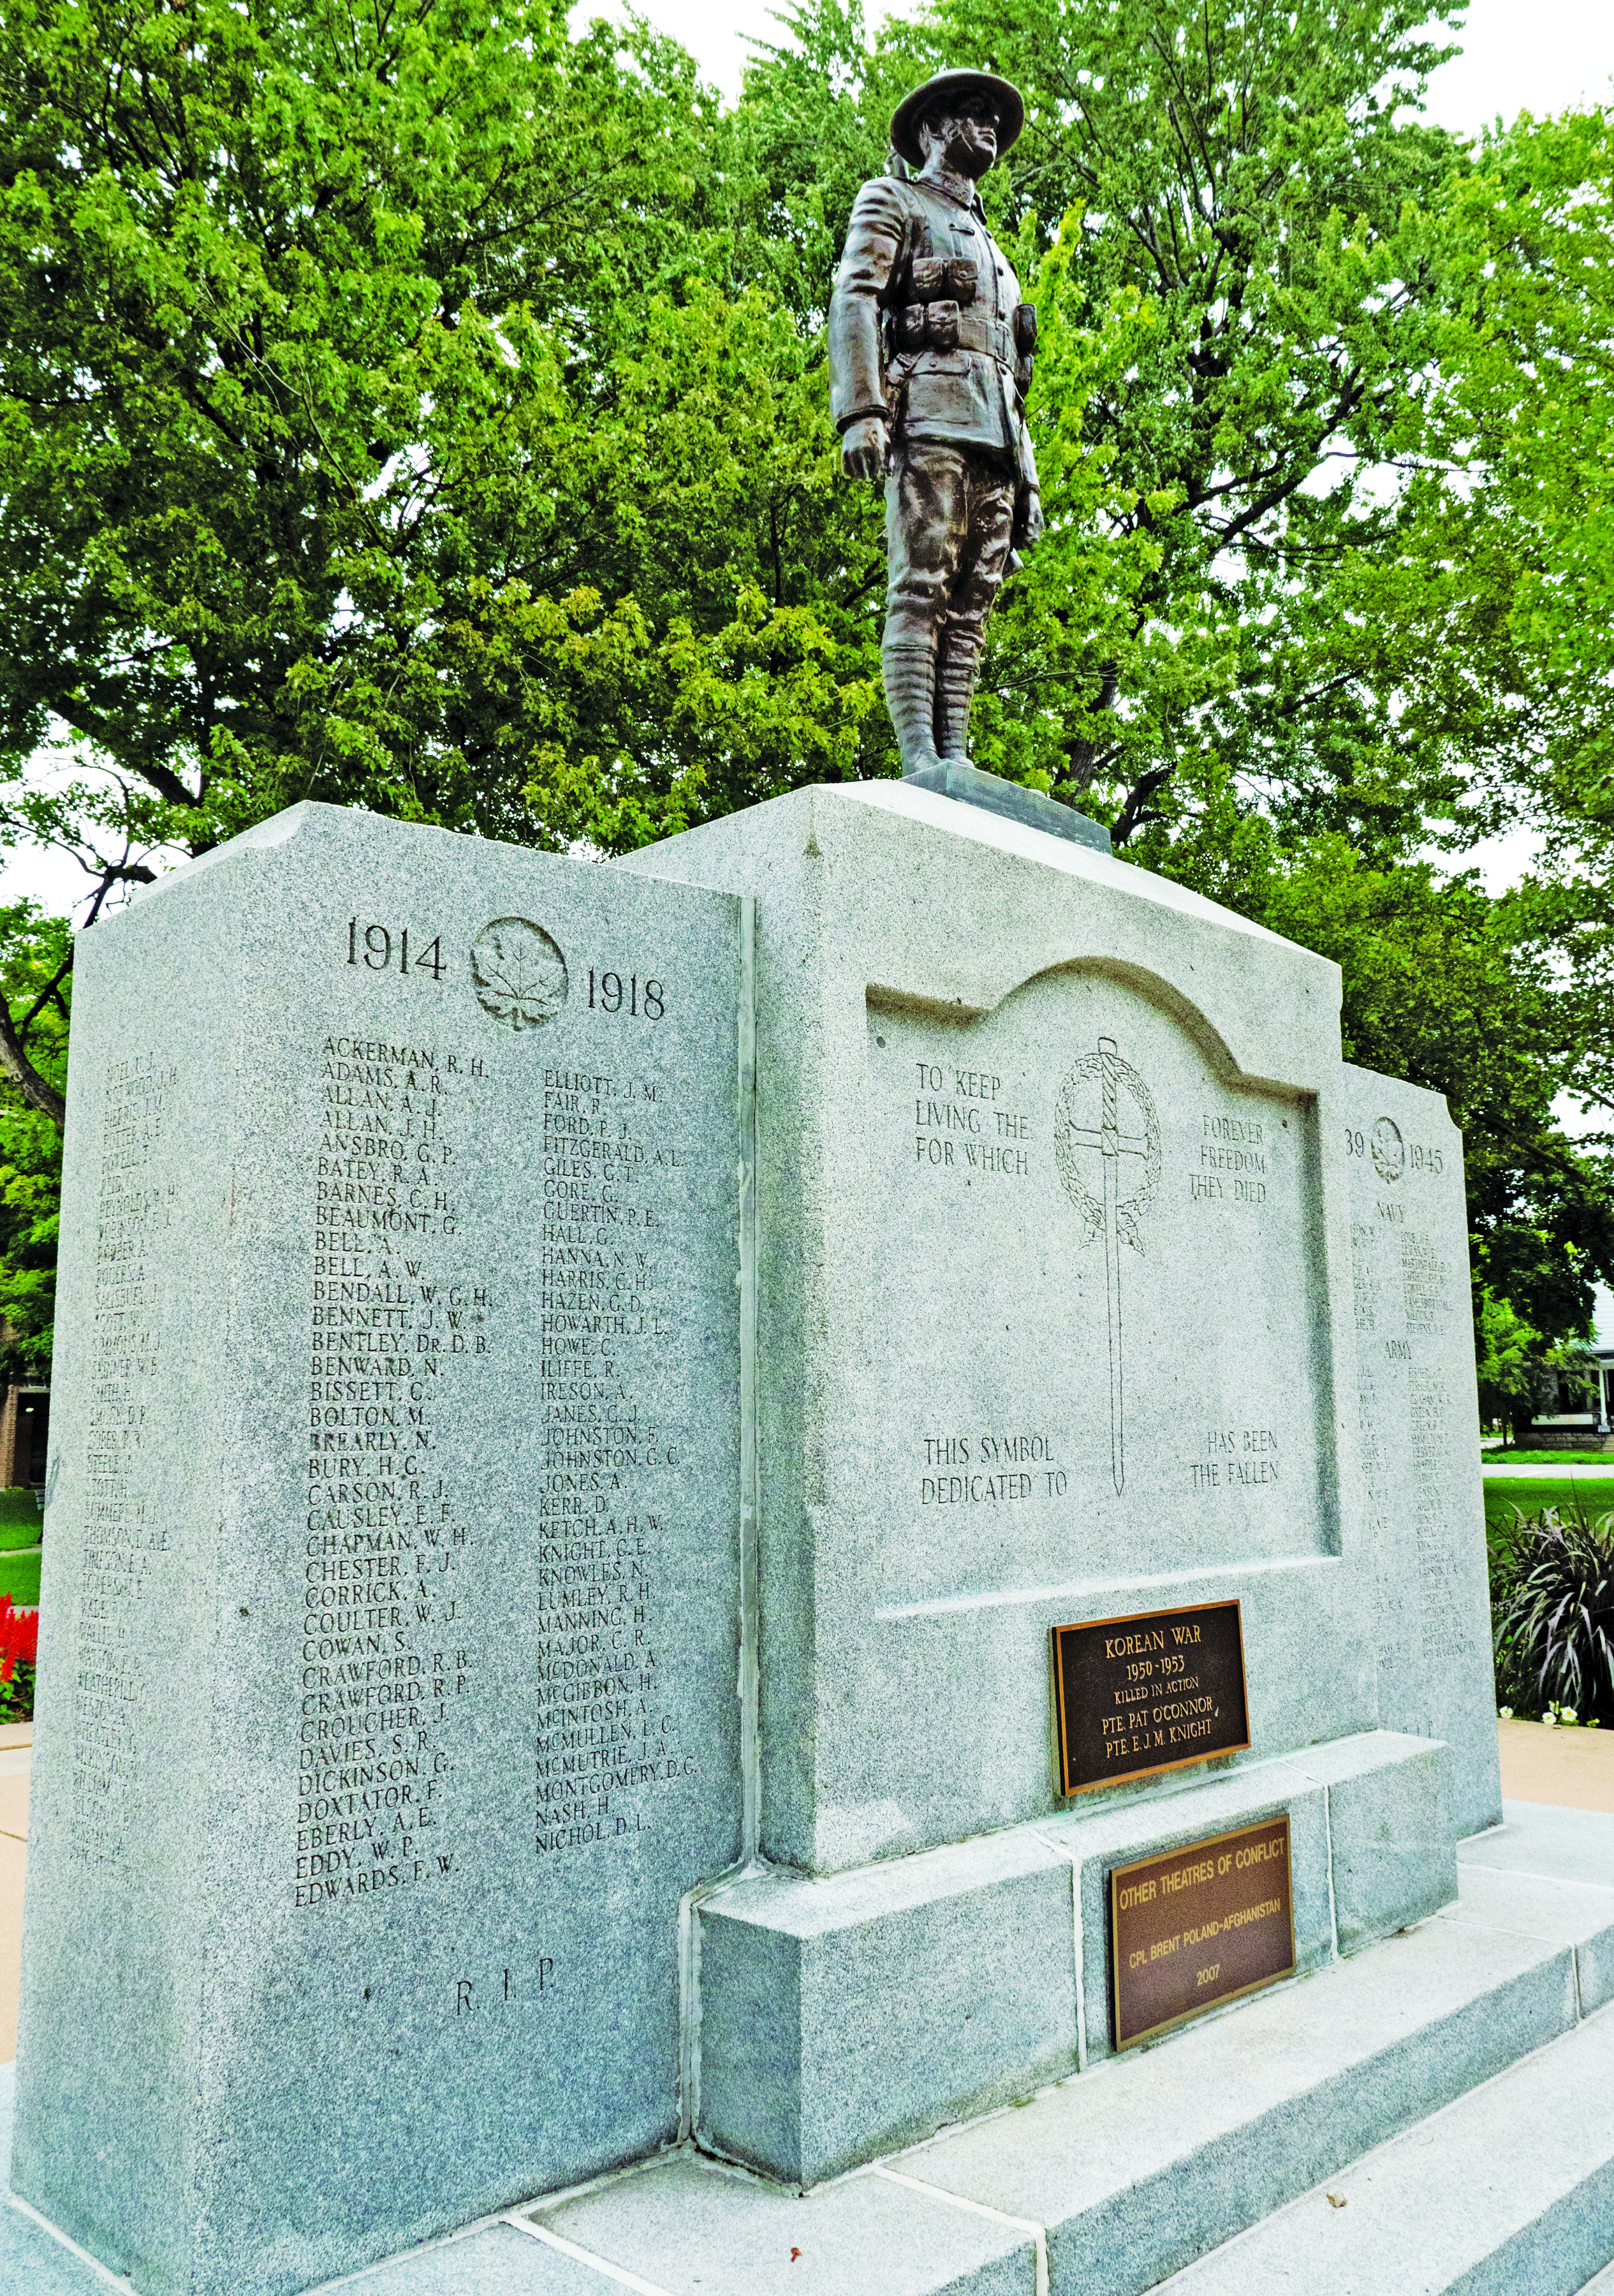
(933, 95)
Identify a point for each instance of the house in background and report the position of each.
(1574, 1404)
(25, 1421)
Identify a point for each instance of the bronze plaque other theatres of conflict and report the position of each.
(1154, 1693)
(1201, 1924)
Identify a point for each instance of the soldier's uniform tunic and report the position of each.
(928, 330)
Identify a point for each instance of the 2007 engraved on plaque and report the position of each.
(1152, 1692)
(1201, 1924)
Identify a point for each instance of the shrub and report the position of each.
(18, 1649)
(17, 1694)
(1553, 1613)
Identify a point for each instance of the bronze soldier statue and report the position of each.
(929, 363)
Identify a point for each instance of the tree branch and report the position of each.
(16, 1065)
(44, 998)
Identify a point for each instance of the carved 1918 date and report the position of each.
(638, 999)
(1201, 1924)
(1133, 1696)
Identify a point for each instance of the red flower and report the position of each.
(19, 1636)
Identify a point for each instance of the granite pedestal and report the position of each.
(1072, 1230)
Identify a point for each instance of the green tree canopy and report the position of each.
(36, 992)
(376, 429)
(426, 409)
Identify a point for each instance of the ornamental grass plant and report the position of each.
(1553, 1613)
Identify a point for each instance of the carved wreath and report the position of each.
(1078, 1105)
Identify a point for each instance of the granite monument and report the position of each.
(390, 1601)
(586, 1391)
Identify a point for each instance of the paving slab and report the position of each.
(1151, 2159)
(1573, 1768)
(33, 2263)
(1575, 1914)
(1510, 2189)
(1563, 1845)
(691, 2228)
(498, 2260)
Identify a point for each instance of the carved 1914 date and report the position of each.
(381, 948)
(1152, 1692)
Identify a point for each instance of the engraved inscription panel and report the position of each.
(396, 1532)
(1418, 1426)
(1099, 1319)
(421, 1336)
(128, 1574)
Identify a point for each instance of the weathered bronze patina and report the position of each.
(1200, 1925)
(1152, 1692)
(930, 352)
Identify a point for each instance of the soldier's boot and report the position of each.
(910, 682)
(954, 692)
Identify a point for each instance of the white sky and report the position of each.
(1536, 56)
(1519, 55)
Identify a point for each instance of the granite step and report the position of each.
(1130, 2172)
(1153, 2159)
(1509, 2189)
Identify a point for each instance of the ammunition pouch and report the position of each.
(942, 279)
(940, 288)
(942, 326)
(1025, 329)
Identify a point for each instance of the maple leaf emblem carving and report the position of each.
(520, 972)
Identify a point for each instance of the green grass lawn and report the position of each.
(20, 1578)
(1512, 1458)
(1530, 1493)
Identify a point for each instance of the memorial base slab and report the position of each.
(843, 2015)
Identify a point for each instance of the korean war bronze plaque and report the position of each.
(1135, 1696)
(1200, 1925)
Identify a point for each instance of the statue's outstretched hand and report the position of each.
(865, 449)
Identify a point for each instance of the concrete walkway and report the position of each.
(1548, 1474)
(1573, 1769)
